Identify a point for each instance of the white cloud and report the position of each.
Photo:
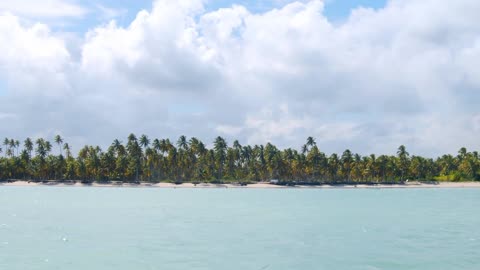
(33, 59)
(156, 50)
(374, 82)
(229, 130)
(273, 124)
(43, 8)
(108, 13)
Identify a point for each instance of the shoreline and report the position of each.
(260, 185)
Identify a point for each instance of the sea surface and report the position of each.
(238, 229)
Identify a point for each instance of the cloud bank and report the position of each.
(43, 9)
(405, 74)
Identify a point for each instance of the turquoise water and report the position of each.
(129, 228)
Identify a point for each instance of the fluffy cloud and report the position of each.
(379, 79)
(44, 8)
(161, 49)
(32, 60)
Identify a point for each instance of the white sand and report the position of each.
(256, 185)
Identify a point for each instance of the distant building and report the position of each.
(274, 181)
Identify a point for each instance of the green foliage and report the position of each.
(189, 160)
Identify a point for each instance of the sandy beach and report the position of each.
(260, 185)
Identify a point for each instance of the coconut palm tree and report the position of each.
(220, 148)
(134, 151)
(192, 160)
(310, 143)
(59, 141)
(67, 149)
(347, 160)
(28, 145)
(462, 153)
(182, 143)
(12, 145)
(17, 146)
(314, 158)
(144, 141)
(403, 155)
(333, 165)
(6, 142)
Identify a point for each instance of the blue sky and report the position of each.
(339, 9)
(335, 10)
(3, 86)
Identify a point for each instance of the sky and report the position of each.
(363, 75)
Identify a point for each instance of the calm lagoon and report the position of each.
(278, 229)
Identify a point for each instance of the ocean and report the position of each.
(238, 229)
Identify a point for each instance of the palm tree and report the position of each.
(333, 164)
(28, 148)
(314, 158)
(382, 164)
(42, 152)
(194, 161)
(144, 141)
(402, 155)
(220, 147)
(182, 143)
(304, 149)
(28, 144)
(41, 148)
(48, 147)
(157, 145)
(17, 145)
(116, 144)
(6, 142)
(357, 167)
(447, 164)
(310, 143)
(67, 149)
(183, 158)
(59, 142)
(347, 160)
(172, 161)
(135, 152)
(307, 146)
(462, 153)
(12, 147)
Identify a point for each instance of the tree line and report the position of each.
(189, 160)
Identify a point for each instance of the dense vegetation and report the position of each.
(141, 159)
